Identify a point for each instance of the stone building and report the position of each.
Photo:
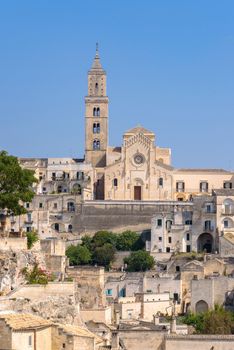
(203, 224)
(24, 331)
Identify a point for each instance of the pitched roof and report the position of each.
(18, 321)
(138, 129)
(79, 331)
(96, 66)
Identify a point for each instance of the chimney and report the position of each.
(156, 319)
(173, 325)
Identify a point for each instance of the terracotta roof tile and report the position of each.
(18, 321)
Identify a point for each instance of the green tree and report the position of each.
(104, 255)
(126, 240)
(139, 261)
(102, 237)
(218, 321)
(78, 255)
(15, 185)
(87, 242)
(195, 320)
(32, 237)
(129, 240)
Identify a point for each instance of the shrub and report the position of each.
(216, 321)
(32, 238)
(37, 275)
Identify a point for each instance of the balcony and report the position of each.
(59, 178)
(227, 211)
(177, 227)
(28, 222)
(208, 228)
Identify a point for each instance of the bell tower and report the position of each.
(96, 115)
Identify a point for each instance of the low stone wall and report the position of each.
(13, 243)
(35, 291)
(201, 342)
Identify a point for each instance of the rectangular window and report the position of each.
(169, 239)
(180, 187)
(177, 268)
(53, 176)
(160, 239)
(159, 222)
(203, 186)
(188, 248)
(168, 224)
(30, 340)
(188, 236)
(160, 182)
(208, 208)
(27, 205)
(227, 184)
(55, 205)
(225, 223)
(109, 292)
(207, 225)
(168, 249)
(40, 205)
(188, 222)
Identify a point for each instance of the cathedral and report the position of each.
(139, 170)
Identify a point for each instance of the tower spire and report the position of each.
(97, 53)
(96, 62)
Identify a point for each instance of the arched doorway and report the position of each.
(201, 306)
(205, 243)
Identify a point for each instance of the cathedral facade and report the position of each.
(139, 169)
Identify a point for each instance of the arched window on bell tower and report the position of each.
(96, 89)
(96, 128)
(98, 112)
(96, 145)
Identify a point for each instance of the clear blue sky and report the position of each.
(170, 67)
